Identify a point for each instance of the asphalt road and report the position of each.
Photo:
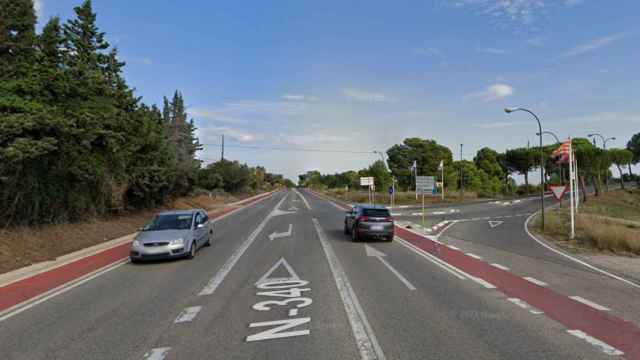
(311, 293)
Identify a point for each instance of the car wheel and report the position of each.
(346, 229)
(354, 235)
(192, 250)
(134, 261)
(208, 243)
(389, 238)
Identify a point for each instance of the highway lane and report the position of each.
(356, 308)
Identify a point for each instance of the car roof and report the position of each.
(369, 206)
(180, 212)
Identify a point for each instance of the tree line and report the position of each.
(490, 173)
(74, 138)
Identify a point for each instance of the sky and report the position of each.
(363, 76)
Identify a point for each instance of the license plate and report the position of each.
(377, 227)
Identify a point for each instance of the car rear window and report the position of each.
(376, 212)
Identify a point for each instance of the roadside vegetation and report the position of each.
(75, 139)
(609, 223)
(490, 174)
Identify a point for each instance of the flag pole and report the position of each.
(572, 181)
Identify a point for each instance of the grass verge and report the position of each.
(23, 246)
(605, 224)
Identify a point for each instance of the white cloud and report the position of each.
(492, 93)
(366, 96)
(299, 97)
(213, 115)
(211, 134)
(594, 44)
(498, 124)
(312, 139)
(432, 53)
(494, 51)
(38, 5)
(519, 12)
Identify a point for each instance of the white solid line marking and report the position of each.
(526, 228)
(474, 256)
(431, 258)
(606, 348)
(525, 306)
(306, 203)
(157, 353)
(501, 267)
(365, 338)
(228, 265)
(453, 247)
(482, 282)
(188, 314)
(28, 304)
(397, 274)
(293, 312)
(589, 303)
(536, 281)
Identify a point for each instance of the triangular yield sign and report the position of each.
(495, 223)
(282, 262)
(558, 191)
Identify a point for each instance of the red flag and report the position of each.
(562, 152)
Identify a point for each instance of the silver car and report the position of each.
(172, 234)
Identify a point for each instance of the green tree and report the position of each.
(427, 154)
(520, 160)
(634, 146)
(621, 157)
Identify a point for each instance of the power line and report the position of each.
(291, 149)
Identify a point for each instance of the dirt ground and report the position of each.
(24, 246)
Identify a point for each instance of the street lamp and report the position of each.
(557, 142)
(393, 179)
(509, 111)
(604, 147)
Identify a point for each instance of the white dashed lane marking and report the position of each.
(474, 256)
(525, 306)
(157, 353)
(606, 348)
(536, 281)
(589, 303)
(188, 314)
(501, 267)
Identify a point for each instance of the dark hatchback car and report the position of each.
(373, 221)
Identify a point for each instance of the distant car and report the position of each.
(173, 234)
(373, 221)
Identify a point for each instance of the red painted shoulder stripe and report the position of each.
(26, 289)
(614, 331)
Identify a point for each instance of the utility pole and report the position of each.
(461, 175)
(222, 148)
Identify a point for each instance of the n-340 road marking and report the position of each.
(219, 277)
(372, 252)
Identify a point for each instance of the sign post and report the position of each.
(425, 185)
(572, 183)
(369, 183)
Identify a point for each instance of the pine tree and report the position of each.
(17, 36)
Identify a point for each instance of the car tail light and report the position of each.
(388, 219)
(363, 218)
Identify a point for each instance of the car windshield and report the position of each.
(169, 222)
(376, 212)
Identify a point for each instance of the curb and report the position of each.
(28, 285)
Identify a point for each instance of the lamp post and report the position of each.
(510, 110)
(393, 179)
(604, 147)
(557, 142)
